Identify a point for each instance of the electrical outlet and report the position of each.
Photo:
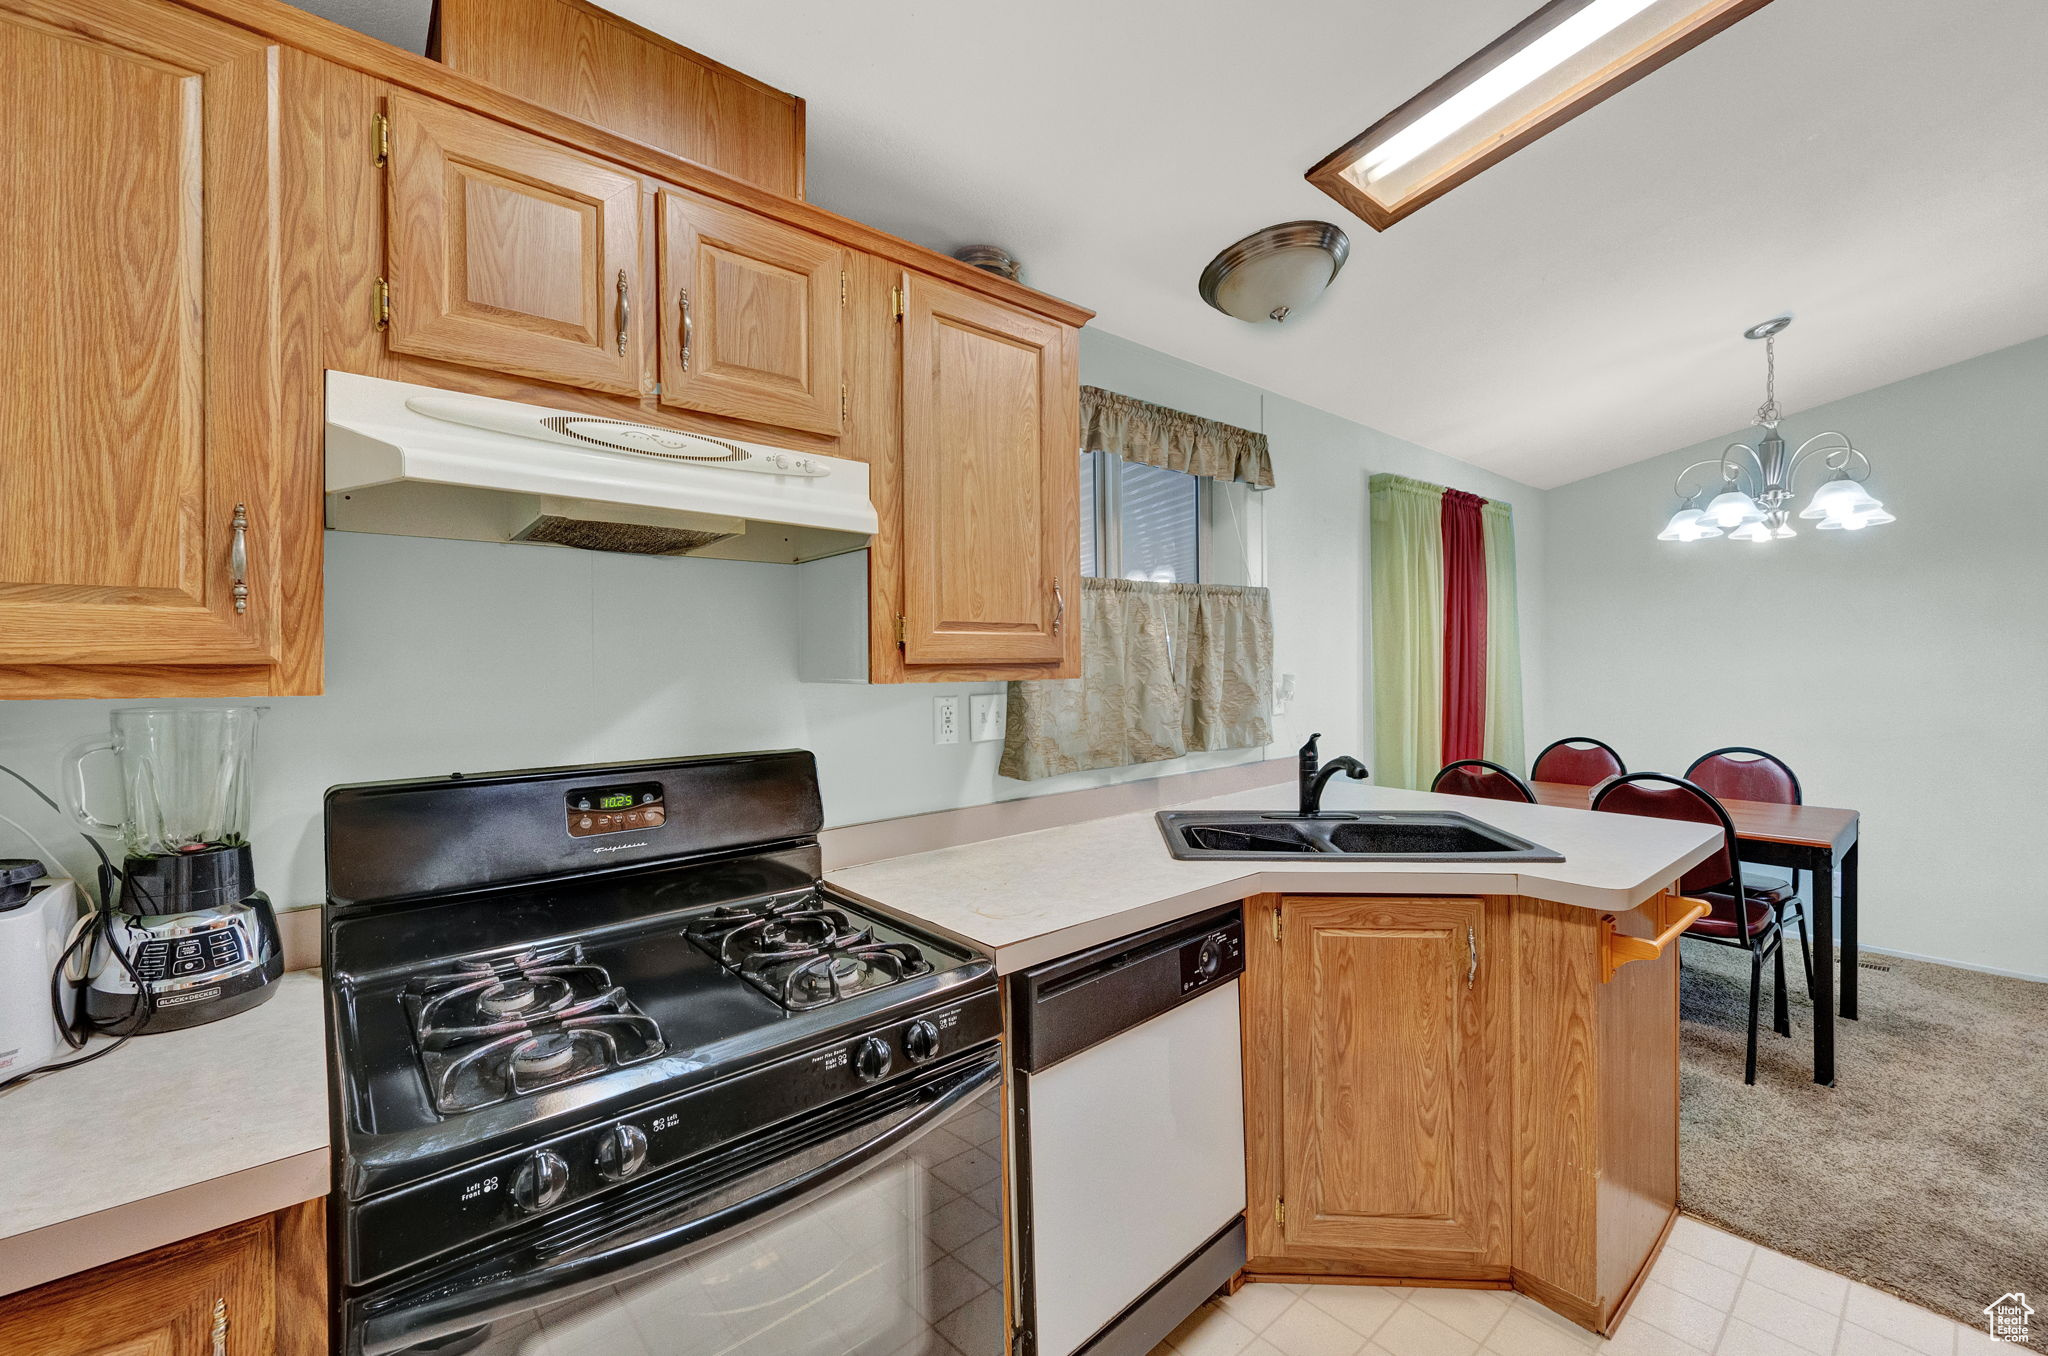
(987, 716)
(1283, 694)
(945, 720)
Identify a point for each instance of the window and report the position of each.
(1143, 522)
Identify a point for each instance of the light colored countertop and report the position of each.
(1037, 896)
(172, 1135)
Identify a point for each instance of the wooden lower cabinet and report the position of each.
(257, 1288)
(1446, 1089)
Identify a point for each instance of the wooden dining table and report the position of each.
(1812, 838)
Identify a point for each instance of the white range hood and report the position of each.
(420, 462)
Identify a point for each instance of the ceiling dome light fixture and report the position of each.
(1754, 503)
(1271, 274)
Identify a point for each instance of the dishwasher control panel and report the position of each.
(1212, 959)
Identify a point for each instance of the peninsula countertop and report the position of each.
(1036, 896)
(171, 1136)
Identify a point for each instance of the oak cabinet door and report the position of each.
(140, 376)
(510, 252)
(1386, 1084)
(990, 493)
(214, 1293)
(752, 316)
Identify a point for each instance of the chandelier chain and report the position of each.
(1767, 413)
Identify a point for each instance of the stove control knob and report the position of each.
(871, 1059)
(541, 1181)
(921, 1042)
(621, 1153)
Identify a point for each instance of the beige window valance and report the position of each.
(1166, 669)
(1152, 434)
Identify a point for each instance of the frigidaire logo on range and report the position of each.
(616, 847)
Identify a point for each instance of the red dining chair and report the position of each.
(1477, 777)
(1739, 772)
(1738, 916)
(1580, 760)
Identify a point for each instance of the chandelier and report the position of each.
(1756, 480)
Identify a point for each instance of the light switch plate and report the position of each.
(945, 720)
(987, 716)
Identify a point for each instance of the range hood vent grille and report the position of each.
(637, 539)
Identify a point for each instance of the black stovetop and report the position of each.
(636, 928)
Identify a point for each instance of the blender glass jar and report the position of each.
(185, 777)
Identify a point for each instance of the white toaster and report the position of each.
(32, 936)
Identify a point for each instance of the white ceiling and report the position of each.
(1876, 166)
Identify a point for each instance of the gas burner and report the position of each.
(802, 952)
(548, 1053)
(489, 1030)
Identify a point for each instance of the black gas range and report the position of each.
(605, 1046)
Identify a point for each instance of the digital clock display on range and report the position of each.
(615, 809)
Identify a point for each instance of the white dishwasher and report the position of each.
(1129, 1137)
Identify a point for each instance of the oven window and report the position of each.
(903, 1260)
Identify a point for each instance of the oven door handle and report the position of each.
(498, 1293)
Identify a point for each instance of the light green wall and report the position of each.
(1900, 670)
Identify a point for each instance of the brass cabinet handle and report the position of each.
(683, 300)
(238, 558)
(1059, 606)
(625, 309)
(1472, 951)
(220, 1327)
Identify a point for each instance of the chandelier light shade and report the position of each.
(1688, 524)
(1756, 479)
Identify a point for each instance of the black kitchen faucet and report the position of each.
(1314, 778)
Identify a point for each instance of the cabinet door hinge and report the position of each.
(1279, 1211)
(380, 304)
(380, 141)
(842, 289)
(1276, 922)
(896, 301)
(842, 402)
(902, 631)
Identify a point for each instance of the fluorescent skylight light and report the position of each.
(1548, 69)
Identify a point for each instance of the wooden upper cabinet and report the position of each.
(990, 543)
(753, 316)
(1382, 1086)
(509, 252)
(578, 59)
(140, 442)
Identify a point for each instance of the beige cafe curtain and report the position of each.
(1157, 436)
(1166, 669)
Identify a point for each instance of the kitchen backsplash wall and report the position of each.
(448, 656)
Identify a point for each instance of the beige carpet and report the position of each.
(1923, 1172)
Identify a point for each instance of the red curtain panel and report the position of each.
(1464, 706)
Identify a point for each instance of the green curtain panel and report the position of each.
(1407, 629)
(1503, 640)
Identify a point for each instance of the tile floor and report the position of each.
(1710, 1292)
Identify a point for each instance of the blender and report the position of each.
(189, 938)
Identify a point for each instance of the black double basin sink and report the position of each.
(1352, 836)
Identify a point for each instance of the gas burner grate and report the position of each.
(802, 952)
(490, 1030)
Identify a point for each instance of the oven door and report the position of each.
(873, 1226)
